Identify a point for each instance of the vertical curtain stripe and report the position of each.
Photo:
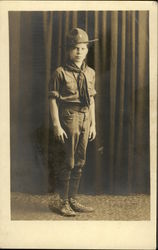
(47, 26)
(14, 39)
(104, 31)
(141, 109)
(113, 77)
(98, 105)
(59, 60)
(132, 127)
(120, 93)
(74, 19)
(47, 29)
(86, 21)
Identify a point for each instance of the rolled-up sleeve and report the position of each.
(54, 85)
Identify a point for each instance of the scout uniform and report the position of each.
(74, 89)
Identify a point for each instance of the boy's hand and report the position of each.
(92, 133)
(60, 134)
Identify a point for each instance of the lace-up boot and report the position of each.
(65, 209)
(78, 207)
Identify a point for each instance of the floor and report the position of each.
(107, 207)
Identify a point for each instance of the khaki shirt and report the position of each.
(63, 84)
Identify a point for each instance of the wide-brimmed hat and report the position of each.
(76, 36)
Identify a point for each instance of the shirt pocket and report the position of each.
(91, 89)
(70, 86)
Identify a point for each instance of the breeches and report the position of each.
(76, 125)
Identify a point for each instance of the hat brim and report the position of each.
(94, 40)
(89, 41)
(86, 42)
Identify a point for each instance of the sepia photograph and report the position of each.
(79, 92)
(80, 118)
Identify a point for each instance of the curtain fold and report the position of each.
(118, 160)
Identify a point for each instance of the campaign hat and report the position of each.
(77, 36)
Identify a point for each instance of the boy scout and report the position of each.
(72, 108)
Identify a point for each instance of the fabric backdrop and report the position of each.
(118, 160)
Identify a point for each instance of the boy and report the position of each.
(72, 108)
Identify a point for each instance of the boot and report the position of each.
(78, 207)
(65, 209)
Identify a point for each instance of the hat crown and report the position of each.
(76, 36)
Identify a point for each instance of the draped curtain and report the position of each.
(118, 160)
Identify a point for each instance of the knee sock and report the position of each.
(74, 182)
(64, 184)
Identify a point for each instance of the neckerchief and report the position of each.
(81, 82)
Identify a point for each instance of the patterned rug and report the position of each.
(107, 207)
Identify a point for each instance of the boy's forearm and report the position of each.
(92, 113)
(54, 113)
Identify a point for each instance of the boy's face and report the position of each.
(78, 53)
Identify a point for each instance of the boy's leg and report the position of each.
(73, 190)
(80, 158)
(69, 122)
(76, 125)
(64, 179)
(65, 208)
(80, 155)
(75, 181)
(70, 125)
